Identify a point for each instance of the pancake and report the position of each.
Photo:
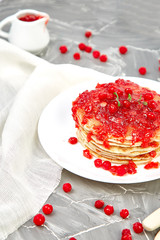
(119, 122)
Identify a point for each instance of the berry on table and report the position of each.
(99, 203)
(109, 210)
(96, 54)
(137, 227)
(63, 49)
(72, 140)
(67, 187)
(126, 234)
(72, 238)
(124, 213)
(76, 56)
(39, 219)
(82, 46)
(47, 209)
(88, 34)
(123, 49)
(142, 70)
(103, 58)
(88, 49)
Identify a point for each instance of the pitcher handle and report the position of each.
(3, 23)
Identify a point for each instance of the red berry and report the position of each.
(151, 116)
(124, 213)
(126, 231)
(76, 56)
(72, 140)
(39, 219)
(103, 58)
(137, 227)
(123, 49)
(113, 108)
(88, 34)
(109, 210)
(106, 165)
(47, 209)
(121, 170)
(96, 54)
(88, 49)
(127, 237)
(111, 89)
(63, 49)
(126, 103)
(99, 203)
(159, 69)
(82, 46)
(142, 70)
(98, 163)
(113, 170)
(72, 238)
(87, 154)
(152, 104)
(128, 91)
(153, 154)
(67, 187)
(148, 96)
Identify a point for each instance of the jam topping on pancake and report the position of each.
(119, 110)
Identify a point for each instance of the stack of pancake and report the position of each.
(109, 147)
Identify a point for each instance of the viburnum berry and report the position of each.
(96, 54)
(109, 210)
(126, 237)
(142, 70)
(99, 203)
(123, 49)
(88, 34)
(88, 49)
(76, 56)
(124, 213)
(126, 231)
(63, 49)
(137, 227)
(106, 165)
(72, 238)
(39, 219)
(82, 46)
(86, 153)
(103, 58)
(67, 187)
(47, 209)
(72, 140)
(98, 163)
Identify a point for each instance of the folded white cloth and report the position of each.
(27, 174)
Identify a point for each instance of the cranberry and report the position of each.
(39, 219)
(126, 231)
(109, 210)
(123, 49)
(96, 54)
(87, 154)
(63, 49)
(88, 49)
(98, 163)
(82, 46)
(106, 165)
(124, 213)
(151, 116)
(137, 227)
(88, 34)
(126, 103)
(67, 187)
(128, 91)
(142, 70)
(72, 140)
(113, 108)
(103, 58)
(99, 203)
(148, 96)
(153, 154)
(76, 56)
(152, 104)
(47, 209)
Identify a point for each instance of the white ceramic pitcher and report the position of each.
(32, 36)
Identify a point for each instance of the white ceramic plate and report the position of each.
(56, 126)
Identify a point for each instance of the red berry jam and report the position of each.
(109, 210)
(86, 153)
(63, 49)
(30, 18)
(151, 165)
(123, 49)
(99, 204)
(47, 209)
(67, 187)
(120, 107)
(72, 140)
(39, 219)
(124, 213)
(137, 227)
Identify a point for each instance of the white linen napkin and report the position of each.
(27, 174)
